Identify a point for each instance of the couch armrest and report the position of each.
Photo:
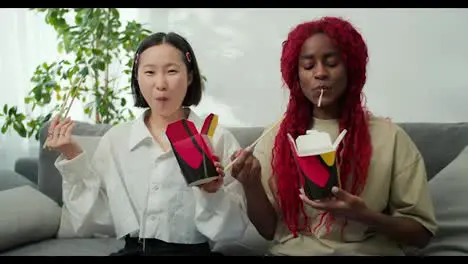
(28, 167)
(10, 179)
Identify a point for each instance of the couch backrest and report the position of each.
(439, 144)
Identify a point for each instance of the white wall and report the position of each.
(417, 70)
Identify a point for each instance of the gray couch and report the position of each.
(32, 197)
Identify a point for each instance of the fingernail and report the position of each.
(334, 189)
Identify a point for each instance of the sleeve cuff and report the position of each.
(73, 170)
(209, 201)
(431, 227)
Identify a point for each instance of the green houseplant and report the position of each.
(94, 39)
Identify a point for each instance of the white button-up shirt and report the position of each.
(130, 186)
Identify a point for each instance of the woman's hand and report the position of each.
(213, 186)
(342, 204)
(246, 169)
(59, 138)
(402, 229)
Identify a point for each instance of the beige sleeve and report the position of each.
(263, 152)
(409, 193)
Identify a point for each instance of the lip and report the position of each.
(322, 87)
(162, 98)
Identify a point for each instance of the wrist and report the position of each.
(371, 218)
(71, 151)
(252, 186)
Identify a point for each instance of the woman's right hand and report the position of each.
(59, 138)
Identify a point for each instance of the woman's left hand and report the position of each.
(342, 204)
(213, 186)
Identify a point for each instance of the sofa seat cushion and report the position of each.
(69, 247)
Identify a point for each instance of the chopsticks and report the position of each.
(64, 104)
(251, 146)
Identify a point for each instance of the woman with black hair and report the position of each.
(132, 186)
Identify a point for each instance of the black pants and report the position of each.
(156, 247)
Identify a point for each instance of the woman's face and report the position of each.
(163, 78)
(321, 68)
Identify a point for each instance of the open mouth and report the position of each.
(323, 87)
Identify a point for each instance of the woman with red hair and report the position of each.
(381, 202)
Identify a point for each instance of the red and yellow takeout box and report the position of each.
(315, 157)
(193, 149)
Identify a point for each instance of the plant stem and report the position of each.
(106, 80)
(94, 44)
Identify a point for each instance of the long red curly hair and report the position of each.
(353, 159)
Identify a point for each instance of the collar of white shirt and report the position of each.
(139, 132)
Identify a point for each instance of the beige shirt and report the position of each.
(396, 182)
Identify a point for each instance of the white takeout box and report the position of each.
(315, 143)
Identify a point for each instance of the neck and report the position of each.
(326, 112)
(159, 122)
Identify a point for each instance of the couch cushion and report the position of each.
(439, 143)
(449, 190)
(26, 216)
(69, 247)
(49, 179)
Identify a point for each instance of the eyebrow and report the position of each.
(311, 55)
(166, 65)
